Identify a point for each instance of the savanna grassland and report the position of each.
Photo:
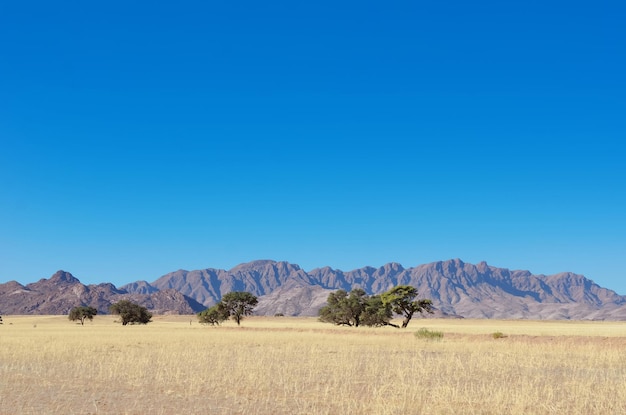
(301, 366)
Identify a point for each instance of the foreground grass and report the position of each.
(300, 366)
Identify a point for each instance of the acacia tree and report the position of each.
(401, 300)
(335, 310)
(214, 315)
(343, 308)
(239, 304)
(357, 308)
(0, 319)
(131, 313)
(376, 313)
(82, 313)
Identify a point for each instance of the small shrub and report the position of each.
(498, 335)
(426, 334)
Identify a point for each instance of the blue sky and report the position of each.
(138, 138)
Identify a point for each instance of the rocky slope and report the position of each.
(456, 288)
(62, 291)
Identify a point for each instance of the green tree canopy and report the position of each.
(214, 315)
(239, 304)
(401, 300)
(336, 311)
(344, 308)
(82, 313)
(357, 308)
(131, 313)
(376, 314)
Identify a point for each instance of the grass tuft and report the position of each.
(426, 334)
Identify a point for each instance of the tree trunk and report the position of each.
(407, 318)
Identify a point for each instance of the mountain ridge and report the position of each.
(62, 291)
(457, 289)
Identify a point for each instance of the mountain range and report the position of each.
(62, 291)
(456, 288)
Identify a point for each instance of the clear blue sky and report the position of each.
(138, 138)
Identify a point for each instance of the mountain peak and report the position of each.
(264, 263)
(392, 266)
(63, 277)
(252, 265)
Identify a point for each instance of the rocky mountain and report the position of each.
(139, 287)
(207, 286)
(457, 289)
(167, 301)
(62, 291)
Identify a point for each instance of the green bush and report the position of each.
(498, 335)
(426, 334)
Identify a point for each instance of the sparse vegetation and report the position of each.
(214, 316)
(426, 334)
(314, 368)
(498, 335)
(357, 308)
(402, 300)
(82, 313)
(235, 304)
(239, 304)
(131, 313)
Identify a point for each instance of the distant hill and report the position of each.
(457, 289)
(62, 291)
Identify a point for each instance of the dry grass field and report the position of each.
(49, 365)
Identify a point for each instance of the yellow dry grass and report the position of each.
(49, 365)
